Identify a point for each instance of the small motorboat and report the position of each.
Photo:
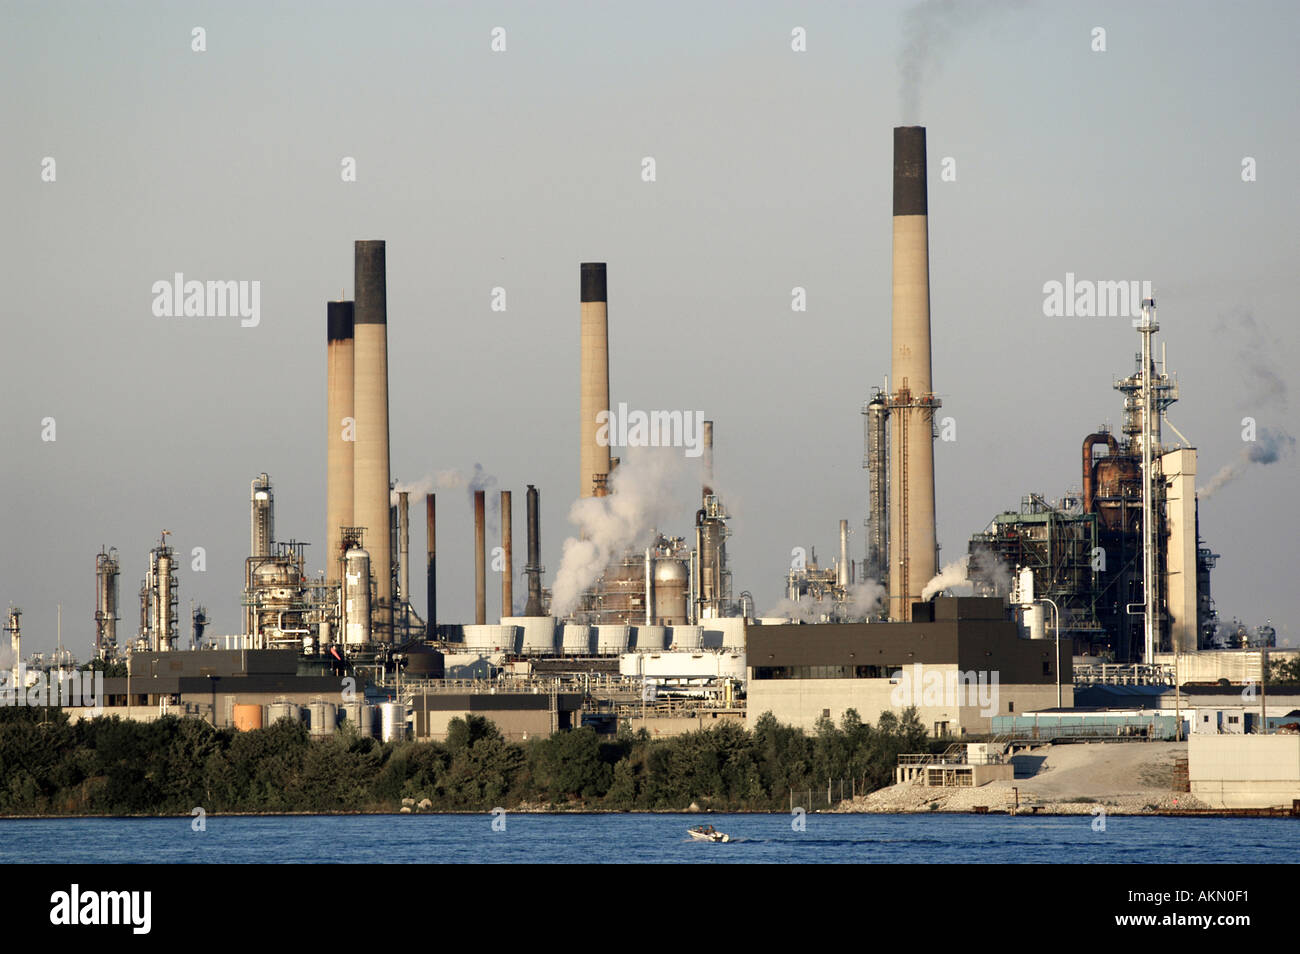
(707, 833)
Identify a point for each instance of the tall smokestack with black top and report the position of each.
(913, 558)
(593, 382)
(338, 433)
(371, 475)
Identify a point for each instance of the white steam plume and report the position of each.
(647, 489)
(954, 576)
(864, 600)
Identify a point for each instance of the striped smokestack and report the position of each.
(593, 385)
(338, 433)
(912, 546)
(370, 473)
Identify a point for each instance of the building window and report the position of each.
(1011, 706)
(826, 713)
(1047, 669)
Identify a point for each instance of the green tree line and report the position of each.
(112, 766)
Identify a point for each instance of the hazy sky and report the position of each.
(485, 169)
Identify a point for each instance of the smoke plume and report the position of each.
(1270, 445)
(864, 601)
(954, 577)
(453, 479)
(928, 29)
(647, 489)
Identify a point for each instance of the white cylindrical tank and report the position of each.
(1025, 586)
(1033, 616)
(362, 715)
(392, 721)
(538, 637)
(576, 639)
(671, 582)
(283, 710)
(323, 717)
(686, 637)
(356, 596)
(774, 620)
(493, 638)
(651, 639)
(612, 638)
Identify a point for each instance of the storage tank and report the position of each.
(247, 716)
(651, 639)
(1033, 617)
(538, 637)
(686, 637)
(356, 596)
(490, 638)
(283, 710)
(612, 638)
(323, 717)
(392, 721)
(423, 663)
(671, 582)
(362, 715)
(576, 640)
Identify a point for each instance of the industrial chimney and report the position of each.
(480, 558)
(338, 434)
(593, 459)
(404, 559)
(370, 450)
(534, 568)
(912, 546)
(507, 545)
(431, 581)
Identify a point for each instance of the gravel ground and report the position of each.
(1130, 778)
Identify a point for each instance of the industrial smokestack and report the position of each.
(912, 545)
(404, 557)
(843, 574)
(338, 433)
(431, 581)
(534, 567)
(508, 570)
(371, 474)
(708, 458)
(593, 385)
(480, 557)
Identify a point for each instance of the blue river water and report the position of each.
(649, 838)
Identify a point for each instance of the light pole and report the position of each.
(1056, 615)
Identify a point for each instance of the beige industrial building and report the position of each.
(960, 662)
(1244, 771)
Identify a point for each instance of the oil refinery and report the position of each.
(658, 635)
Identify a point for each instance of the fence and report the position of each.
(826, 796)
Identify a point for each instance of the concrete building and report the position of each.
(518, 715)
(1249, 771)
(960, 662)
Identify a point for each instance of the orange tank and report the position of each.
(248, 716)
